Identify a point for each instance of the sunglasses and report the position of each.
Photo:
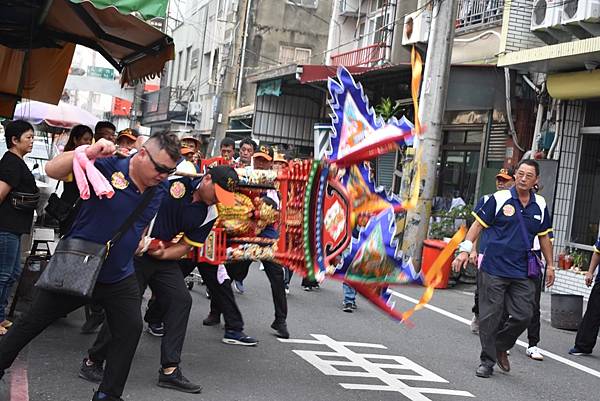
(160, 168)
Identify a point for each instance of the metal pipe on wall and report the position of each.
(559, 125)
(511, 123)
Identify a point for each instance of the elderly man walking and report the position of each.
(514, 218)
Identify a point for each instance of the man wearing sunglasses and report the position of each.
(116, 288)
(189, 208)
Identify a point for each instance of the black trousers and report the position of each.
(496, 295)
(121, 302)
(587, 333)
(155, 311)
(475, 308)
(166, 281)
(274, 271)
(221, 296)
(533, 330)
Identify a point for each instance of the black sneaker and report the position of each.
(577, 352)
(106, 397)
(211, 320)
(348, 307)
(281, 329)
(177, 381)
(156, 329)
(92, 323)
(353, 306)
(484, 371)
(238, 338)
(92, 373)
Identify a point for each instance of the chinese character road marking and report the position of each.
(369, 368)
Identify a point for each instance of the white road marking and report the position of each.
(453, 316)
(365, 366)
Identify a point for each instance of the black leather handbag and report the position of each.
(58, 208)
(76, 263)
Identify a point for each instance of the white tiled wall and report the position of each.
(518, 33)
(568, 282)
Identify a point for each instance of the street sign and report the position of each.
(101, 72)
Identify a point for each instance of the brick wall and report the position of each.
(568, 282)
(518, 35)
(571, 121)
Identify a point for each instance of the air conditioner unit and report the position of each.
(545, 15)
(582, 17)
(350, 8)
(416, 27)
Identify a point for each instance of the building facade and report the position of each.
(273, 33)
(557, 45)
(369, 37)
(202, 37)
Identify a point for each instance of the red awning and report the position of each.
(316, 73)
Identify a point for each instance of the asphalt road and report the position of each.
(331, 356)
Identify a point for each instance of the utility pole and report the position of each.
(432, 103)
(227, 96)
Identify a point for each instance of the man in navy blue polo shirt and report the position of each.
(189, 208)
(98, 220)
(504, 180)
(587, 332)
(503, 278)
(262, 160)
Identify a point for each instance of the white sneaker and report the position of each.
(475, 324)
(534, 353)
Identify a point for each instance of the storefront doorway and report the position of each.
(459, 163)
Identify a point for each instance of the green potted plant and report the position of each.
(446, 223)
(580, 260)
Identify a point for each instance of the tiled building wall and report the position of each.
(518, 35)
(572, 119)
(568, 282)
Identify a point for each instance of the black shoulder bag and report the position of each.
(76, 263)
(58, 208)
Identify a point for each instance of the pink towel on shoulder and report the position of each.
(83, 166)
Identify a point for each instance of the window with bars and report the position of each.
(195, 58)
(584, 229)
(305, 3)
(377, 24)
(291, 54)
(188, 59)
(376, 5)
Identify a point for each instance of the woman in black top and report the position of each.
(80, 135)
(18, 199)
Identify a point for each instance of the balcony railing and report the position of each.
(477, 14)
(363, 57)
